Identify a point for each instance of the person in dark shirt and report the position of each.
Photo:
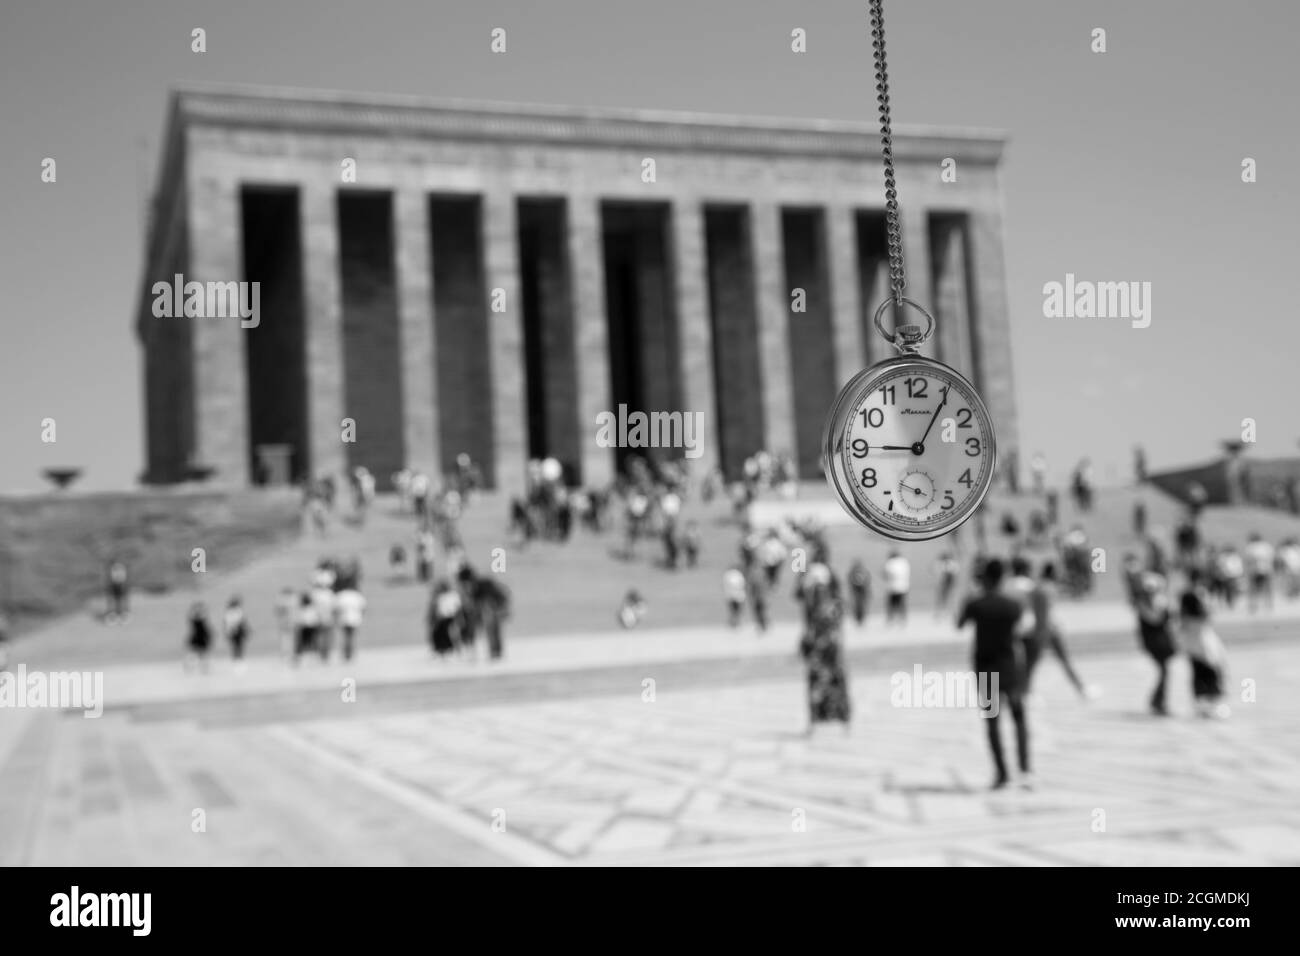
(200, 636)
(999, 651)
(859, 591)
(1155, 620)
(493, 602)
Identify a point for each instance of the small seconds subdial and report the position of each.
(916, 490)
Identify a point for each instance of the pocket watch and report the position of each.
(909, 447)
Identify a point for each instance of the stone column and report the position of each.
(505, 341)
(846, 303)
(695, 333)
(218, 348)
(951, 301)
(590, 335)
(415, 314)
(991, 329)
(323, 331)
(773, 300)
(915, 218)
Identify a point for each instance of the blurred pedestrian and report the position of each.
(285, 609)
(946, 569)
(235, 623)
(735, 592)
(1231, 571)
(350, 609)
(632, 610)
(424, 544)
(1045, 634)
(469, 619)
(397, 560)
(307, 627)
(1204, 649)
(444, 618)
(492, 602)
(1260, 558)
(691, 543)
(756, 588)
(118, 584)
(772, 554)
(859, 590)
(1038, 468)
(1154, 629)
(1081, 485)
(1288, 556)
(199, 638)
(1053, 507)
(823, 653)
(322, 599)
(999, 654)
(898, 582)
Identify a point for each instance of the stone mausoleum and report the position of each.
(489, 278)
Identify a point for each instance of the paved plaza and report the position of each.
(713, 770)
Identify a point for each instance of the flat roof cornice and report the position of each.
(388, 114)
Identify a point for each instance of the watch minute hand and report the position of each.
(935, 417)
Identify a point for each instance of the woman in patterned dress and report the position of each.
(823, 654)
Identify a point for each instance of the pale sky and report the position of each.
(1122, 166)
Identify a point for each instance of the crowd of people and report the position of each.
(1173, 587)
(323, 619)
(1174, 593)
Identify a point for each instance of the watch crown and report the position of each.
(909, 337)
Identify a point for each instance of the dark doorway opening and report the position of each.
(463, 346)
(551, 384)
(644, 368)
(809, 332)
(371, 333)
(274, 350)
(873, 281)
(737, 373)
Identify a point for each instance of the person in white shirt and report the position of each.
(1259, 565)
(898, 582)
(735, 590)
(322, 600)
(772, 552)
(349, 607)
(444, 619)
(1231, 570)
